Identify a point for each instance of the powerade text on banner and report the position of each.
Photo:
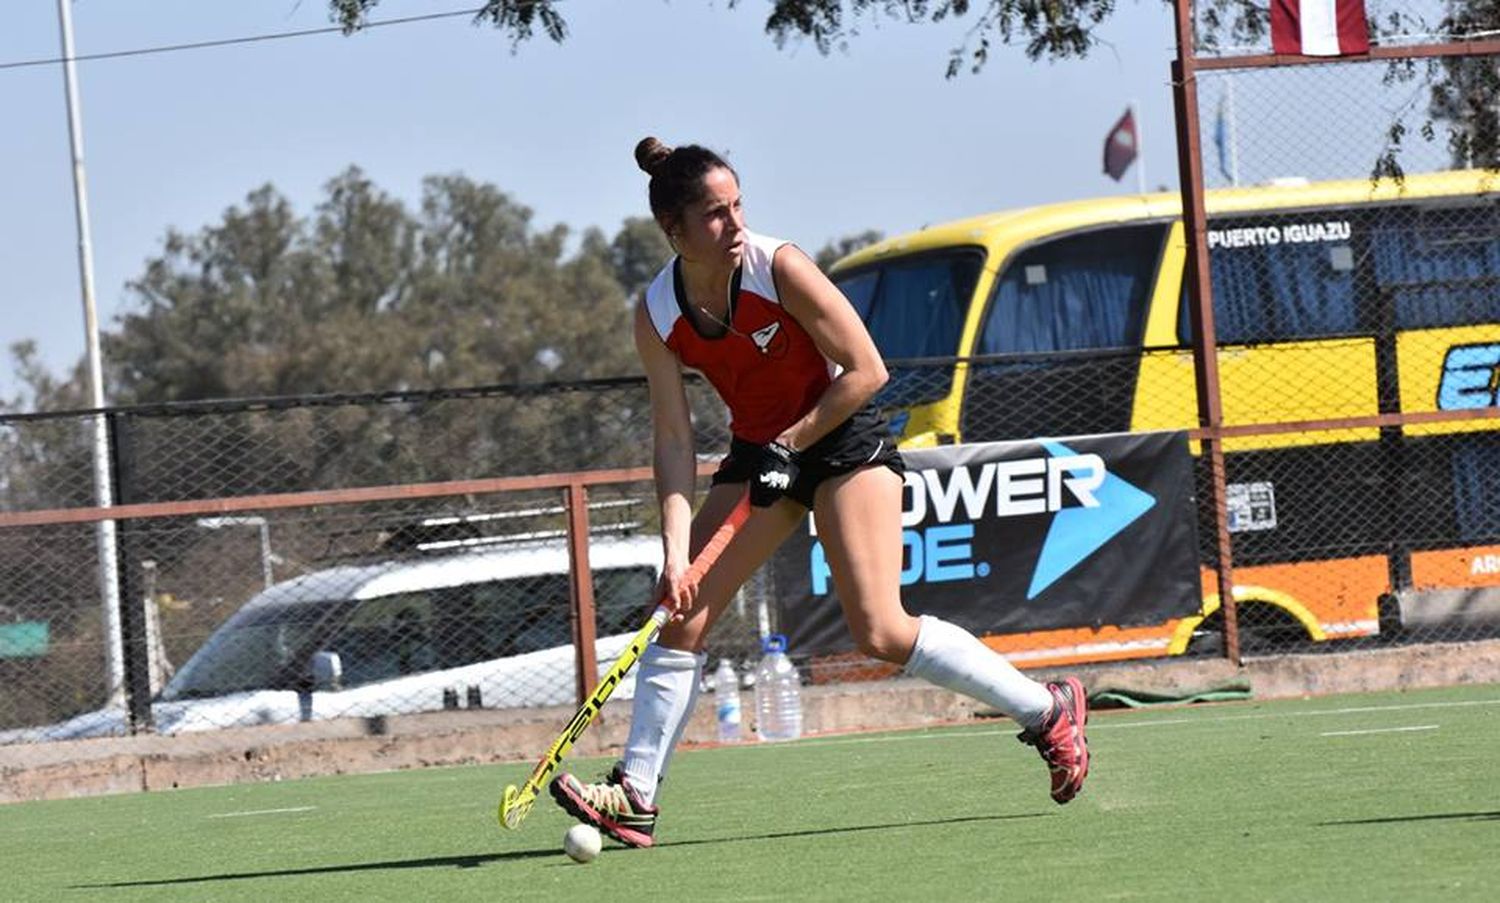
(1010, 537)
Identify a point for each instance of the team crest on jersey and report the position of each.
(770, 339)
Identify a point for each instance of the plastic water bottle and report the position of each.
(778, 693)
(727, 702)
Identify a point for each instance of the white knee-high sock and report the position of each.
(952, 657)
(666, 689)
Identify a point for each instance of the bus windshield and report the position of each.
(914, 306)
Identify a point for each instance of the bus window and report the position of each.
(914, 306)
(1073, 312)
(860, 290)
(1275, 290)
(1085, 291)
(1439, 264)
(1476, 478)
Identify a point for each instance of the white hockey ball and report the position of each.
(582, 843)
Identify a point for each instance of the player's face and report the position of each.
(713, 228)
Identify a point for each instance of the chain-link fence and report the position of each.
(364, 599)
(254, 447)
(358, 556)
(1353, 256)
(376, 555)
(1348, 447)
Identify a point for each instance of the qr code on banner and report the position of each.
(1252, 506)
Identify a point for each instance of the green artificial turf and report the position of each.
(1351, 798)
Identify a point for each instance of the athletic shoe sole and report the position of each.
(579, 808)
(1078, 713)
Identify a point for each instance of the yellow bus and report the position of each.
(1331, 300)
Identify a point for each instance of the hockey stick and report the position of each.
(517, 802)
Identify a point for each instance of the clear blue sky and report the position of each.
(873, 137)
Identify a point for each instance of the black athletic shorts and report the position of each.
(864, 440)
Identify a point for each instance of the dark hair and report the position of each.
(676, 174)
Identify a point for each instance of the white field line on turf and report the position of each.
(1096, 725)
(1351, 710)
(262, 812)
(1380, 730)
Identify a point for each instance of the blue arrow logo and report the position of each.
(1077, 533)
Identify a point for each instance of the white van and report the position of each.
(489, 627)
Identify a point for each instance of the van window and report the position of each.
(261, 648)
(407, 633)
(914, 306)
(391, 636)
(525, 614)
(1084, 291)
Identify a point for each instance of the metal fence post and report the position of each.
(134, 640)
(1205, 347)
(581, 586)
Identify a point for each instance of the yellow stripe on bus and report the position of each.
(1316, 380)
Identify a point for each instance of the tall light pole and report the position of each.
(104, 495)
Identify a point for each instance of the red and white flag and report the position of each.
(1319, 27)
(1120, 146)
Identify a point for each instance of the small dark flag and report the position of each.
(1120, 147)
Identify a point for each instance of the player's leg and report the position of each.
(669, 673)
(664, 710)
(859, 522)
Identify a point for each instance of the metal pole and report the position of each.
(104, 535)
(1205, 341)
(581, 584)
(265, 552)
(1140, 148)
(1231, 131)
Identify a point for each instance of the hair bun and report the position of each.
(650, 154)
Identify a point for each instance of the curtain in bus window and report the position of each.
(1439, 266)
(918, 308)
(1083, 292)
(1310, 296)
(1239, 297)
(860, 290)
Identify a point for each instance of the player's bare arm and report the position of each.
(672, 457)
(835, 327)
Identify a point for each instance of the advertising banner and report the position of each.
(1009, 537)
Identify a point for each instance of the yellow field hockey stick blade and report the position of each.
(513, 807)
(515, 803)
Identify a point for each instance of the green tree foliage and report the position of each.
(46, 463)
(368, 295)
(636, 253)
(1461, 93)
(1054, 29)
(840, 248)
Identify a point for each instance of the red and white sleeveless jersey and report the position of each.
(765, 367)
